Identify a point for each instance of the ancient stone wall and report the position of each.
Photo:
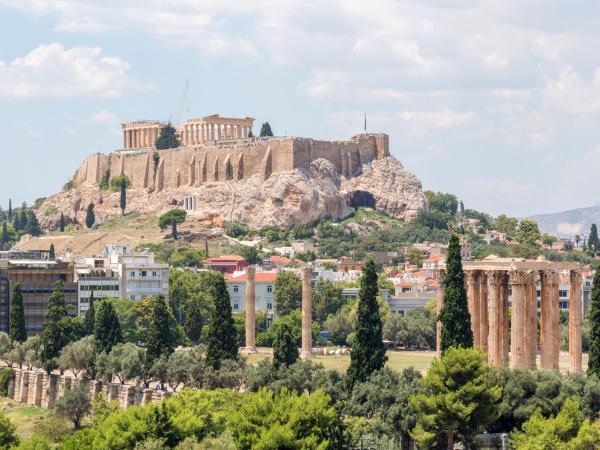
(37, 388)
(230, 160)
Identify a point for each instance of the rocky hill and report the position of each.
(569, 223)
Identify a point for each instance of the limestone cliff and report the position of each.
(288, 197)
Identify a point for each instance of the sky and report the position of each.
(495, 101)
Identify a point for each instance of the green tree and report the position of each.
(287, 291)
(17, 330)
(593, 240)
(61, 224)
(123, 199)
(455, 316)
(90, 316)
(4, 237)
(58, 329)
(528, 232)
(222, 342)
(172, 218)
(265, 130)
(368, 351)
(339, 326)
(90, 217)
(79, 356)
(8, 434)
(168, 138)
(326, 300)
(23, 216)
(107, 328)
(10, 210)
(32, 225)
(285, 351)
(51, 253)
(441, 202)
(125, 361)
(74, 404)
(16, 222)
(192, 317)
(415, 257)
(594, 324)
(506, 225)
(459, 399)
(251, 254)
(159, 338)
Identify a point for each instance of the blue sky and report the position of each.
(495, 101)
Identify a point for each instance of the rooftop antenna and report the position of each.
(365, 125)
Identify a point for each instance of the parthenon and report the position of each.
(142, 134)
(489, 284)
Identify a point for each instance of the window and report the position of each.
(143, 273)
(270, 306)
(235, 306)
(562, 293)
(132, 274)
(154, 274)
(269, 289)
(235, 289)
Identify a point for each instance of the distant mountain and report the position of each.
(569, 223)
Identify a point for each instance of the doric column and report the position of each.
(124, 138)
(494, 317)
(307, 350)
(439, 303)
(218, 131)
(505, 319)
(250, 311)
(483, 312)
(127, 139)
(202, 133)
(473, 299)
(550, 338)
(575, 312)
(518, 281)
(531, 321)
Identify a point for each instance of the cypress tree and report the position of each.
(56, 333)
(61, 225)
(16, 222)
(90, 218)
(594, 319)
(16, 327)
(593, 240)
(265, 130)
(90, 316)
(222, 340)
(368, 352)
(32, 225)
(10, 211)
(192, 320)
(57, 308)
(285, 350)
(4, 238)
(159, 339)
(107, 328)
(23, 216)
(455, 316)
(123, 201)
(51, 253)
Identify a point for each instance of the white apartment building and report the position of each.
(263, 291)
(95, 277)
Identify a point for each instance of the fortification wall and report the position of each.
(37, 388)
(229, 160)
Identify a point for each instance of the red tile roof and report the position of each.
(225, 258)
(260, 277)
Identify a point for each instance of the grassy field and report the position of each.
(24, 417)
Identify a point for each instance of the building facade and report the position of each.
(264, 286)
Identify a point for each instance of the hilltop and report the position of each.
(568, 223)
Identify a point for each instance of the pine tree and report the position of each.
(51, 253)
(222, 340)
(16, 327)
(159, 339)
(61, 225)
(10, 211)
(90, 218)
(123, 201)
(285, 350)
(192, 321)
(455, 316)
(368, 352)
(168, 138)
(265, 130)
(593, 240)
(90, 316)
(107, 328)
(594, 320)
(32, 225)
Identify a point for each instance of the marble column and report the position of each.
(127, 138)
(473, 299)
(505, 317)
(439, 303)
(518, 281)
(218, 131)
(575, 313)
(250, 311)
(483, 312)
(531, 321)
(202, 133)
(550, 338)
(494, 317)
(124, 138)
(307, 350)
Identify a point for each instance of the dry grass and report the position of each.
(24, 417)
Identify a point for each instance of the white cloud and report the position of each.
(103, 117)
(52, 71)
(571, 94)
(495, 61)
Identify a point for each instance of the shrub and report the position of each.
(5, 376)
(115, 182)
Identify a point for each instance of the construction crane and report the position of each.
(181, 105)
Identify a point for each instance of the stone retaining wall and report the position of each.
(37, 388)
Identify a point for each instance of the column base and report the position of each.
(307, 354)
(248, 350)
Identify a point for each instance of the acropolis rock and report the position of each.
(260, 182)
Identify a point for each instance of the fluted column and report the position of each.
(550, 338)
(518, 281)
(505, 318)
(531, 322)
(494, 317)
(473, 300)
(439, 303)
(218, 131)
(307, 350)
(575, 312)
(124, 138)
(483, 312)
(250, 311)
(202, 129)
